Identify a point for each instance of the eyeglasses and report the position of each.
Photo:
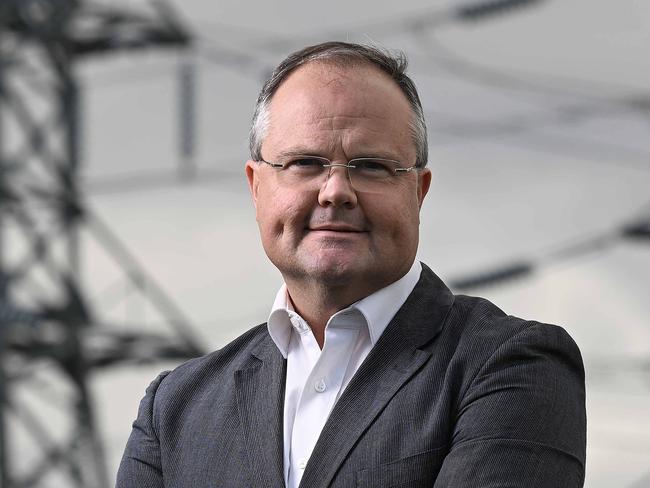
(365, 174)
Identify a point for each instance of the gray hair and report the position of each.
(345, 54)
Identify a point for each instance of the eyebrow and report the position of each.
(302, 151)
(297, 151)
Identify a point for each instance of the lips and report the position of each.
(336, 228)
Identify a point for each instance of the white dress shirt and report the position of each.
(316, 378)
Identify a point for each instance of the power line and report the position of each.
(589, 150)
(243, 62)
(204, 49)
(478, 11)
(542, 84)
(237, 61)
(637, 230)
(420, 24)
(562, 115)
(595, 103)
(525, 131)
(157, 180)
(467, 12)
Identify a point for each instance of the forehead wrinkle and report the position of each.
(336, 138)
(342, 122)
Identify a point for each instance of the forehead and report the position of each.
(351, 107)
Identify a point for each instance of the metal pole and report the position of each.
(4, 463)
(91, 458)
(187, 115)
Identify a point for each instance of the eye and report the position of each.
(377, 168)
(305, 165)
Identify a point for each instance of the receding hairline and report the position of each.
(343, 66)
(343, 56)
(342, 60)
(383, 99)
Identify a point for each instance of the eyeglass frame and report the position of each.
(348, 165)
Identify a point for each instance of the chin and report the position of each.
(366, 271)
(335, 277)
(337, 271)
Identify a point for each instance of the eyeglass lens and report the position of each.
(365, 174)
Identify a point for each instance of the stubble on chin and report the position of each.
(328, 266)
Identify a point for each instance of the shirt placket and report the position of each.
(320, 390)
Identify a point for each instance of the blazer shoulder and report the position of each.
(478, 319)
(514, 387)
(476, 329)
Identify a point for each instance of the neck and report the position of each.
(316, 300)
(317, 303)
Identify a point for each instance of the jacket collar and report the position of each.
(259, 388)
(396, 357)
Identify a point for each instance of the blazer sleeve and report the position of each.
(522, 421)
(140, 466)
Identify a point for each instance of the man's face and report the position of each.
(331, 233)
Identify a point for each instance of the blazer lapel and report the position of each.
(259, 388)
(393, 361)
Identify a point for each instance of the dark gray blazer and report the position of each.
(454, 394)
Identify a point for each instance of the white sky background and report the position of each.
(554, 154)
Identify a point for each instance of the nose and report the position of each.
(337, 190)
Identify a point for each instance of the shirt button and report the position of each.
(302, 464)
(320, 386)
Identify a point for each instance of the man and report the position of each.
(369, 372)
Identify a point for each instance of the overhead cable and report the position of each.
(638, 230)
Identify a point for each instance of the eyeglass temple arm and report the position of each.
(272, 165)
(405, 170)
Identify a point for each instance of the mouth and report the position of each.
(336, 228)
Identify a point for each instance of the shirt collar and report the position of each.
(378, 309)
(278, 323)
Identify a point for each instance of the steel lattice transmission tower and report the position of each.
(52, 337)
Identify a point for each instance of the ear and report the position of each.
(424, 182)
(253, 179)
